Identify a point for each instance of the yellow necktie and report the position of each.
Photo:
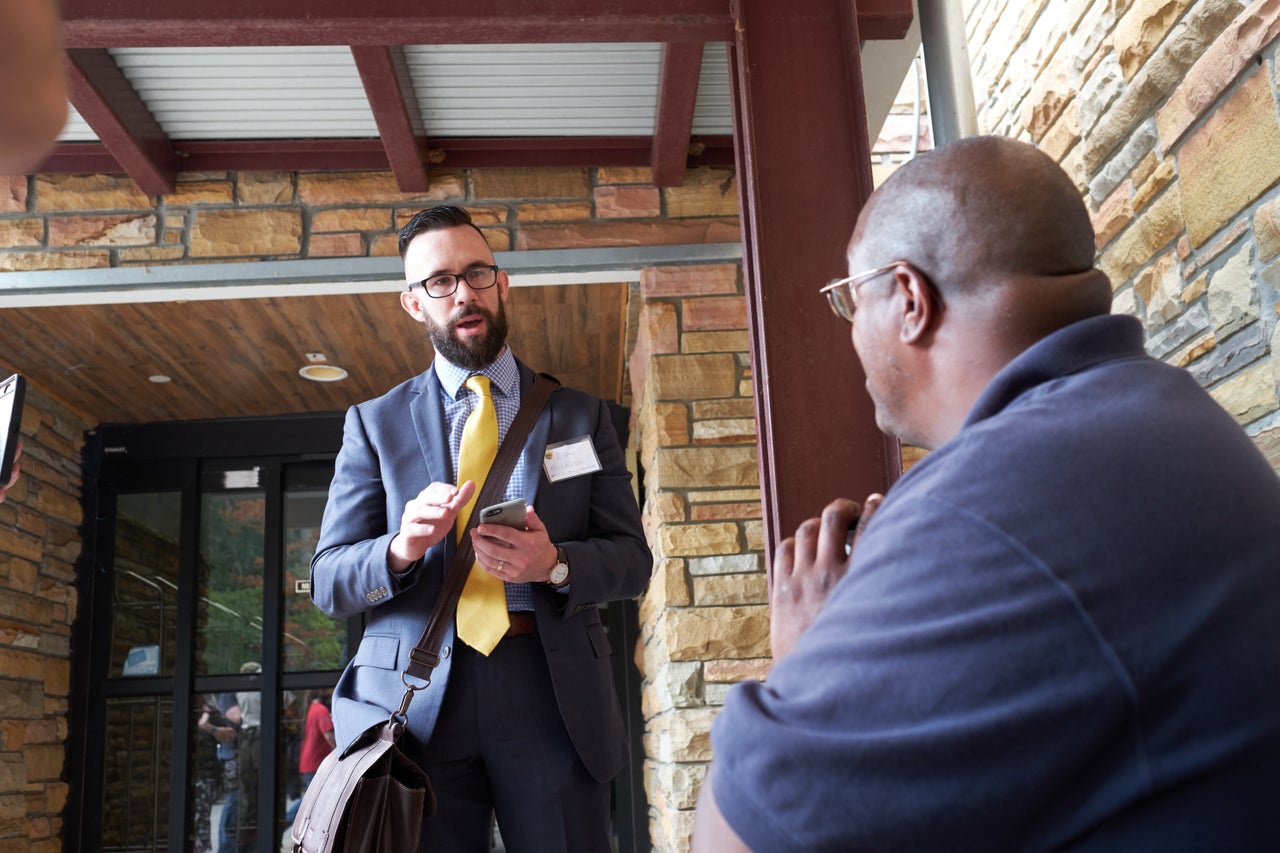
(482, 607)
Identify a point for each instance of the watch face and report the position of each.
(559, 572)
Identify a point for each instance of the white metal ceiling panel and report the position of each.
(250, 92)
(209, 93)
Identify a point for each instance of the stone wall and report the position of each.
(85, 221)
(39, 543)
(1165, 114)
(705, 620)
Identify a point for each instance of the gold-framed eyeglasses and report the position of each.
(477, 278)
(842, 293)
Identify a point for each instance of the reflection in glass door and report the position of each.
(204, 647)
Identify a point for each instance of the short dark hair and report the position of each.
(434, 219)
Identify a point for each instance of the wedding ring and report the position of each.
(501, 566)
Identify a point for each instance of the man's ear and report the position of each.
(504, 284)
(919, 304)
(410, 302)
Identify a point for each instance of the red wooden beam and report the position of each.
(103, 97)
(311, 155)
(884, 20)
(177, 23)
(673, 125)
(804, 172)
(395, 109)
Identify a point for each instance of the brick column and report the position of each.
(704, 621)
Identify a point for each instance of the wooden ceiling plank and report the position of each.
(104, 98)
(384, 73)
(673, 124)
(178, 23)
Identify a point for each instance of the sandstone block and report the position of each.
(678, 685)
(667, 424)
(335, 246)
(733, 671)
(102, 230)
(728, 590)
(1233, 298)
(1158, 180)
(151, 255)
(692, 280)
(1230, 160)
(200, 192)
(733, 407)
(1049, 96)
(1141, 29)
(707, 191)
(43, 761)
(714, 313)
(385, 246)
(1113, 215)
(352, 219)
(27, 261)
(1064, 134)
(554, 211)
(708, 633)
(322, 189)
(666, 507)
(624, 202)
(1266, 229)
(624, 175)
(688, 377)
(726, 512)
(722, 564)
(695, 540)
(1098, 92)
(706, 467)
(15, 233)
(89, 192)
(726, 431)
(1120, 167)
(529, 184)
(1152, 231)
(13, 193)
(736, 340)
(1222, 243)
(265, 188)
(241, 232)
(1219, 64)
(1250, 394)
(614, 233)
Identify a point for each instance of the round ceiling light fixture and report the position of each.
(322, 373)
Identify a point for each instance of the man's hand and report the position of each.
(807, 567)
(515, 556)
(427, 519)
(13, 477)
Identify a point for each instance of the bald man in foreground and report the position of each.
(1059, 629)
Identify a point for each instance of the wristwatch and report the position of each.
(560, 571)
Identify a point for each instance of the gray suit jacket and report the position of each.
(392, 448)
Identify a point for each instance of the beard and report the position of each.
(479, 352)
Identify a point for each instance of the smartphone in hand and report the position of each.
(509, 513)
(12, 391)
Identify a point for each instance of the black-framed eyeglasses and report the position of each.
(477, 278)
(842, 293)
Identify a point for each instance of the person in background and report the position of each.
(1059, 629)
(211, 731)
(318, 741)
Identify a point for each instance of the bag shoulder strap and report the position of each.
(425, 656)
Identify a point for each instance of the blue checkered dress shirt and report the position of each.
(458, 401)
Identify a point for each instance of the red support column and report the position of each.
(804, 166)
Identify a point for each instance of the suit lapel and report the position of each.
(531, 456)
(428, 422)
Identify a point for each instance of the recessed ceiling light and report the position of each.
(159, 379)
(322, 373)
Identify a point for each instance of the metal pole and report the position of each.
(946, 61)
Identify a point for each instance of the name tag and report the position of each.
(572, 458)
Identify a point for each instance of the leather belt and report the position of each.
(521, 623)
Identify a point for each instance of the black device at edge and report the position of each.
(12, 391)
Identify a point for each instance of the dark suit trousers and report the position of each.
(501, 745)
